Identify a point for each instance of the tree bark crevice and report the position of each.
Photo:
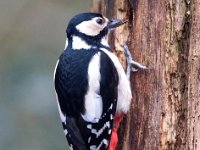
(164, 36)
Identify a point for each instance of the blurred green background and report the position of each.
(32, 36)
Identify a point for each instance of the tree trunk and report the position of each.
(165, 36)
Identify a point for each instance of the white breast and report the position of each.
(124, 90)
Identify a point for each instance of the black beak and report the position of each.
(116, 23)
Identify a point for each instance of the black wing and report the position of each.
(71, 84)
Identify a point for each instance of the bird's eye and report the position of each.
(100, 21)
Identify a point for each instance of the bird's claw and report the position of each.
(137, 66)
(132, 66)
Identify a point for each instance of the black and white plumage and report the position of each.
(91, 85)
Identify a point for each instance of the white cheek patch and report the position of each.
(78, 43)
(90, 27)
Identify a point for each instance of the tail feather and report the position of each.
(73, 135)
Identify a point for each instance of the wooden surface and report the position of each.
(165, 36)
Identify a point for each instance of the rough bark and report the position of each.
(163, 35)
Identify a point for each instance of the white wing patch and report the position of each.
(124, 90)
(93, 101)
(100, 131)
(94, 147)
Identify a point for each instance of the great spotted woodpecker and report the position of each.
(93, 90)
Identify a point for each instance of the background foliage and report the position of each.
(32, 36)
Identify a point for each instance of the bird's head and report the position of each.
(90, 29)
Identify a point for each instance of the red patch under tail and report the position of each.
(114, 136)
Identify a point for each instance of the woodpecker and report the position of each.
(92, 88)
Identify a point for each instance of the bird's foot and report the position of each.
(132, 66)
